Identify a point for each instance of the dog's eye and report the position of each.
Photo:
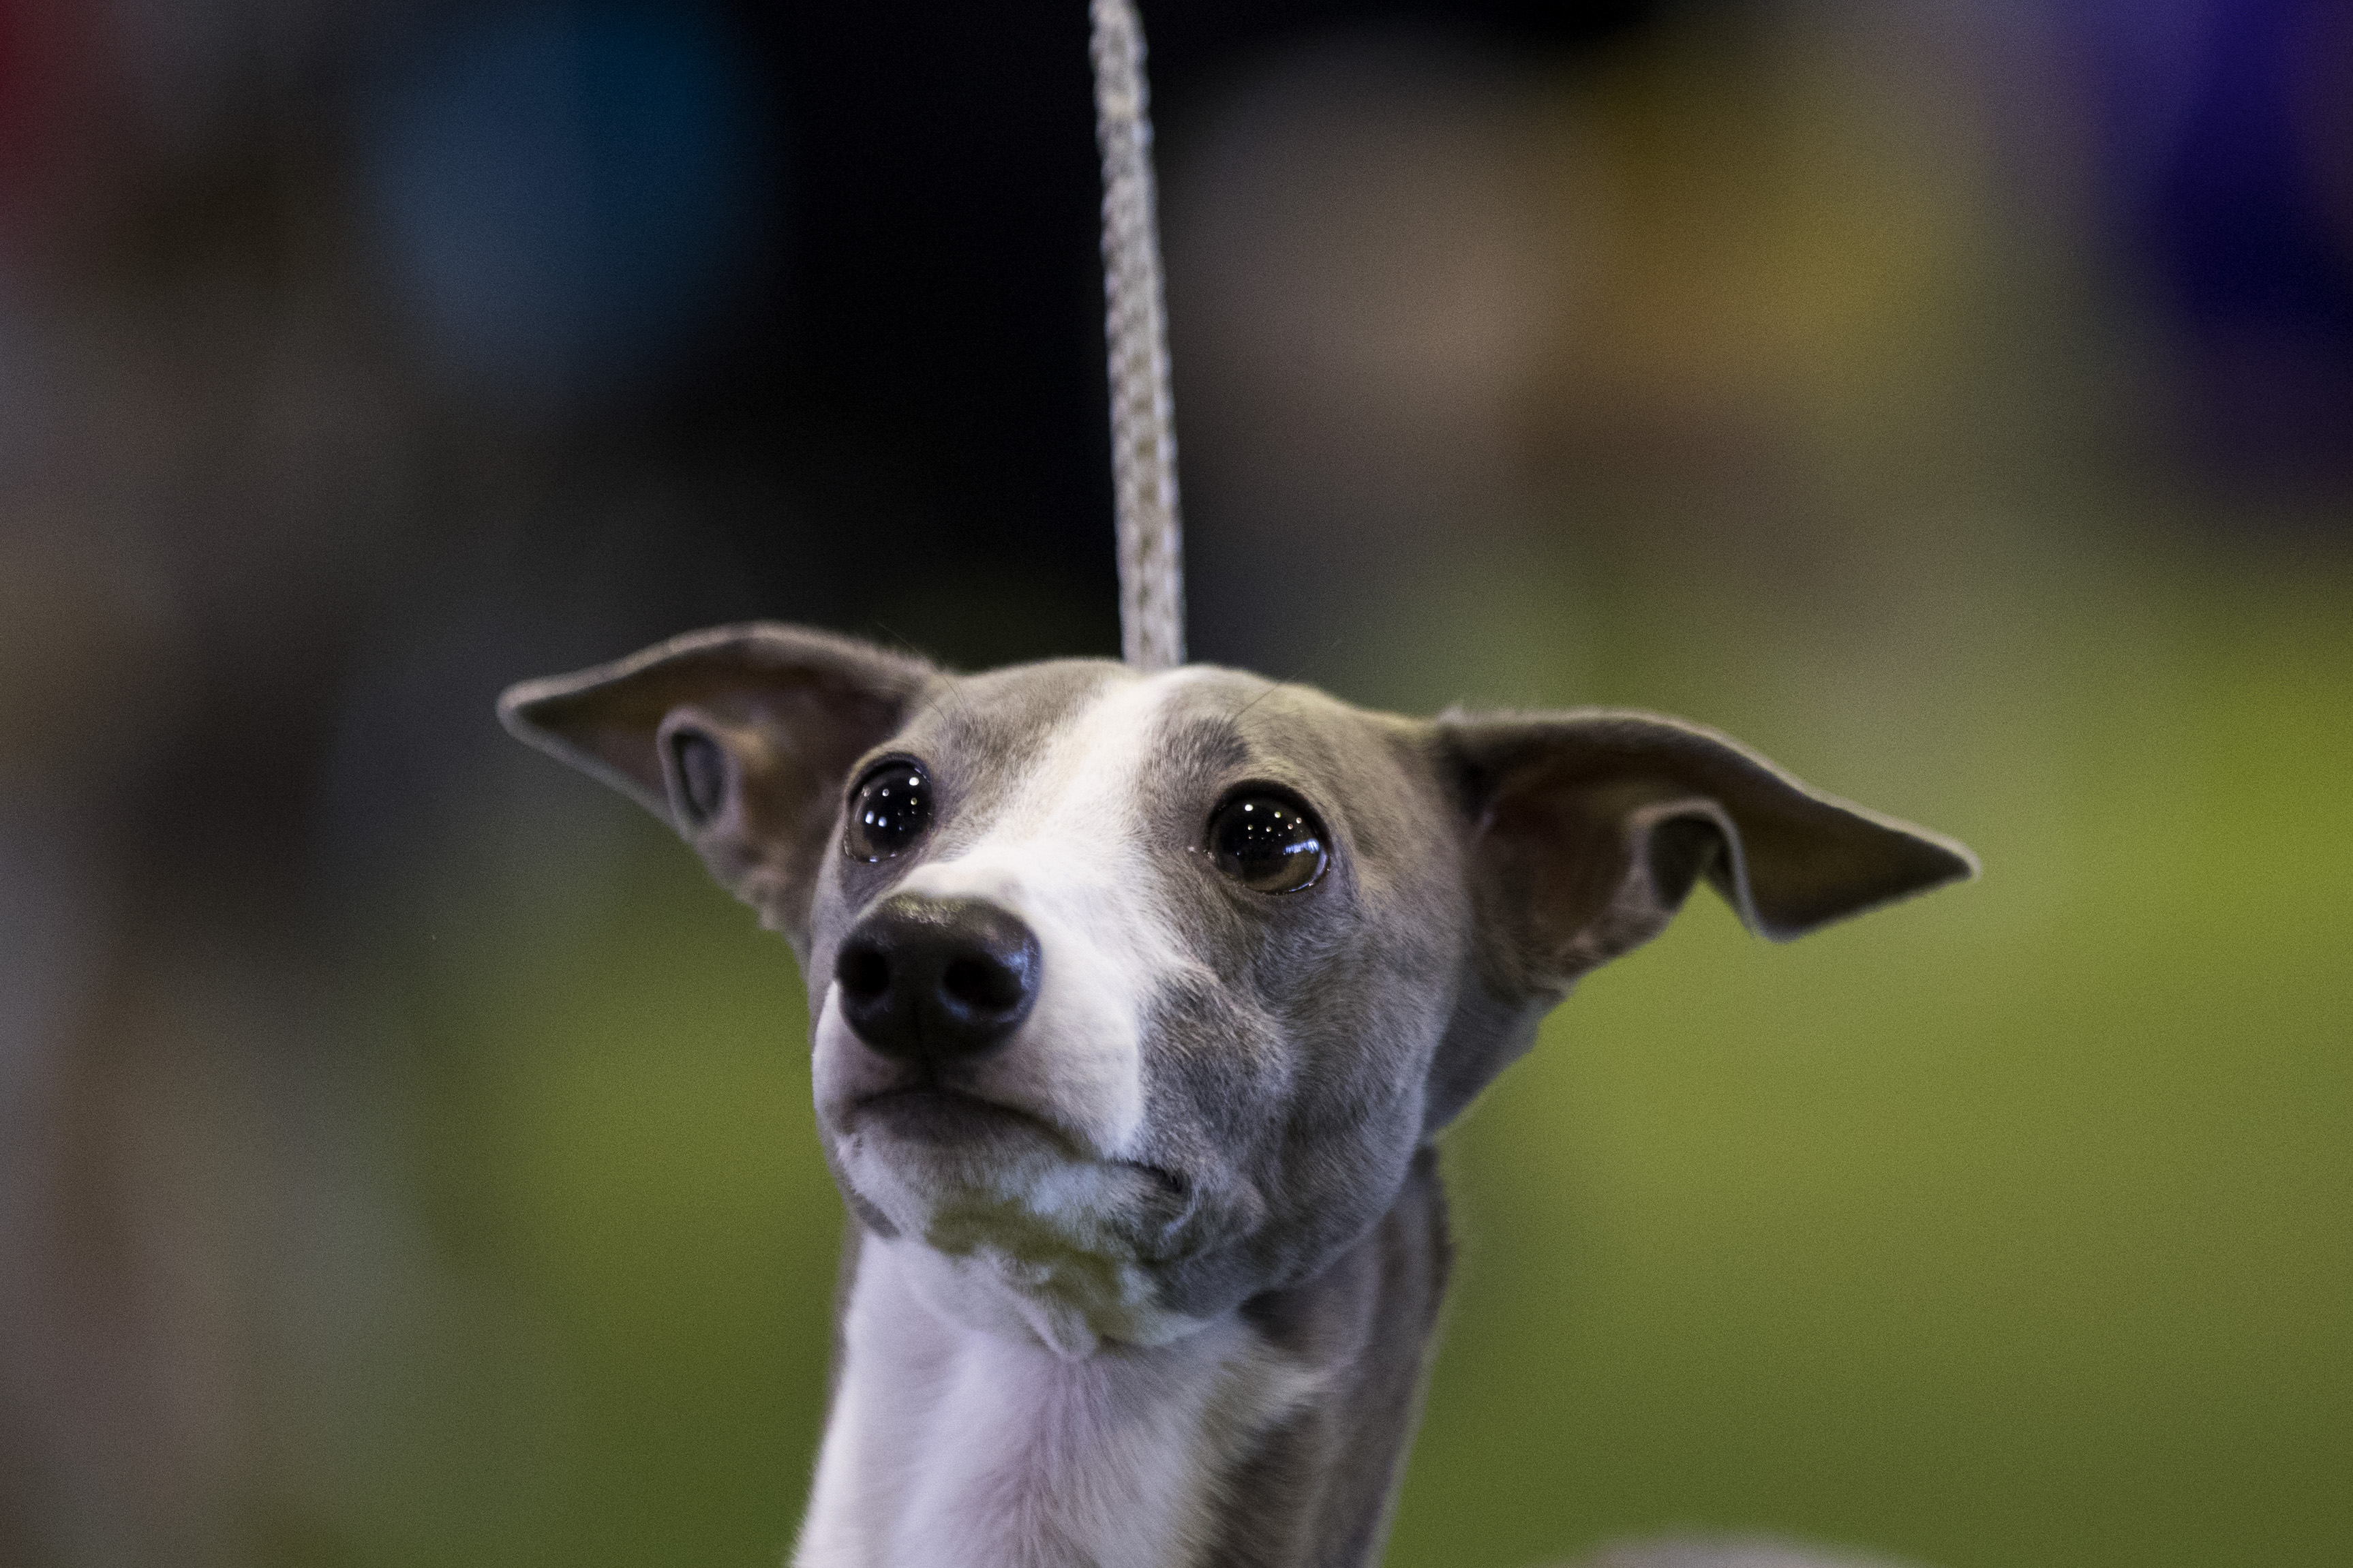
(1267, 844)
(892, 807)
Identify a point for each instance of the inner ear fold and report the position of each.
(698, 769)
(1590, 829)
(740, 737)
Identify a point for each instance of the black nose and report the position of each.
(930, 979)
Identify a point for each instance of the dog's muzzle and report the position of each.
(931, 981)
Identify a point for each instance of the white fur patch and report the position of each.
(951, 1445)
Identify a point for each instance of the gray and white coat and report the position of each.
(1146, 1278)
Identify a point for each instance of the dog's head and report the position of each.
(1133, 995)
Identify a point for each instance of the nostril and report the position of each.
(983, 983)
(864, 970)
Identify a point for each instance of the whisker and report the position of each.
(1288, 679)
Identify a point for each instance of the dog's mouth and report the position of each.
(929, 1112)
(957, 1119)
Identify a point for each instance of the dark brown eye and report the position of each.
(1267, 844)
(887, 810)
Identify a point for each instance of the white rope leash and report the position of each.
(1135, 328)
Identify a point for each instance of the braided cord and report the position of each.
(1135, 323)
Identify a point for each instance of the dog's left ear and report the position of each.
(1586, 830)
(740, 737)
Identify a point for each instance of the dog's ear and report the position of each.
(740, 737)
(1588, 830)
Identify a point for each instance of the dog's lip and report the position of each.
(920, 1091)
(924, 1092)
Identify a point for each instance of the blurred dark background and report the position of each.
(404, 1157)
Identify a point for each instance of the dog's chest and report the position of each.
(951, 1445)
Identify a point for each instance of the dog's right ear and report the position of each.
(1584, 832)
(1590, 828)
(740, 737)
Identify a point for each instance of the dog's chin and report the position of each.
(960, 1173)
(1011, 1229)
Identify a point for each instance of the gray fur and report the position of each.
(1317, 1492)
(1292, 1054)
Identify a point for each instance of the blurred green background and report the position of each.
(405, 1153)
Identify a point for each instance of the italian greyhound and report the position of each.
(1137, 1003)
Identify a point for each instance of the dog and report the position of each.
(1137, 1004)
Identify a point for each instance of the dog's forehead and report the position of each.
(1013, 731)
(984, 734)
(1230, 724)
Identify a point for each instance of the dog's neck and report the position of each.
(1270, 1438)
